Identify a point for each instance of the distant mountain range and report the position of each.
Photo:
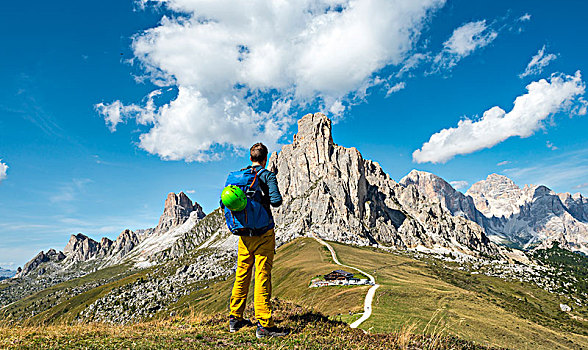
(524, 218)
(332, 191)
(335, 193)
(6, 273)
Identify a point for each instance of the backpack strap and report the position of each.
(261, 171)
(257, 173)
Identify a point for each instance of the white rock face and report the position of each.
(497, 196)
(80, 248)
(532, 215)
(438, 190)
(332, 191)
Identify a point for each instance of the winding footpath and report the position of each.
(369, 298)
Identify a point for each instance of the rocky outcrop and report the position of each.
(332, 191)
(81, 248)
(177, 210)
(180, 216)
(211, 225)
(576, 204)
(435, 188)
(124, 243)
(105, 247)
(51, 256)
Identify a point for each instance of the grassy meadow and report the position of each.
(420, 305)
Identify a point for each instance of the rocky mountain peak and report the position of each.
(80, 248)
(438, 190)
(496, 196)
(418, 176)
(51, 256)
(176, 211)
(498, 178)
(124, 243)
(576, 204)
(333, 192)
(313, 128)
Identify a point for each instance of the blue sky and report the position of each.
(106, 107)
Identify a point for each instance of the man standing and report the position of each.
(258, 251)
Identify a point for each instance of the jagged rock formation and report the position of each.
(180, 215)
(532, 215)
(332, 191)
(436, 189)
(81, 248)
(177, 210)
(83, 255)
(51, 256)
(497, 196)
(576, 204)
(211, 226)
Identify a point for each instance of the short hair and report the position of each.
(258, 152)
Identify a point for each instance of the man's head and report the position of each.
(258, 154)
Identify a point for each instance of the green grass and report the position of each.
(477, 308)
(416, 297)
(308, 330)
(295, 264)
(430, 298)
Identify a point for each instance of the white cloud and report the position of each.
(412, 63)
(224, 57)
(525, 17)
(395, 88)
(459, 185)
(543, 99)
(463, 42)
(504, 162)
(3, 170)
(538, 62)
(70, 191)
(551, 146)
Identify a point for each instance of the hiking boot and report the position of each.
(263, 332)
(236, 323)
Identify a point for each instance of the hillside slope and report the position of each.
(429, 296)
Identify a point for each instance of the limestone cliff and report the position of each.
(332, 191)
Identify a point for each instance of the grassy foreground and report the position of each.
(432, 299)
(420, 305)
(309, 330)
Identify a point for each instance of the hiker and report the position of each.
(246, 201)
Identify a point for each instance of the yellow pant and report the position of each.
(259, 251)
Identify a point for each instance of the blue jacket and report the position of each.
(269, 186)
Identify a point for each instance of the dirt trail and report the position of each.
(367, 305)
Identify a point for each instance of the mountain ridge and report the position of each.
(332, 190)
